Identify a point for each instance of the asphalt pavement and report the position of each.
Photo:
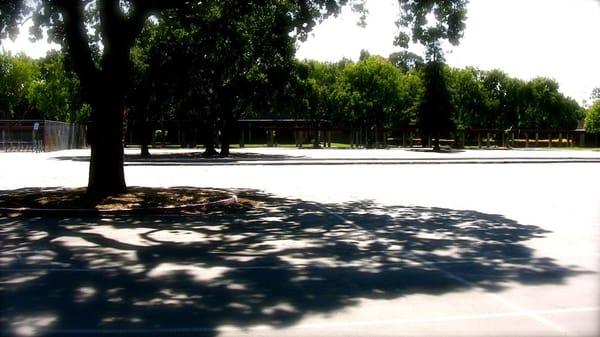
(341, 243)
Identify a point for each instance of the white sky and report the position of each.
(525, 38)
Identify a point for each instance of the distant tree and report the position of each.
(56, 93)
(514, 103)
(507, 100)
(592, 118)
(595, 94)
(364, 54)
(320, 87)
(17, 77)
(374, 86)
(447, 23)
(406, 60)
(435, 110)
(571, 114)
(411, 93)
(468, 98)
(547, 108)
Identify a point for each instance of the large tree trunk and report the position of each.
(106, 164)
(209, 138)
(106, 175)
(103, 87)
(226, 132)
(225, 138)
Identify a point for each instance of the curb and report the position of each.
(232, 200)
(382, 161)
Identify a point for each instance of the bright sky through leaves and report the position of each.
(525, 38)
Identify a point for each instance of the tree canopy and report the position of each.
(349, 94)
(17, 80)
(435, 109)
(39, 89)
(56, 95)
(430, 23)
(98, 36)
(212, 62)
(592, 118)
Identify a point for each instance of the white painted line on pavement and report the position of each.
(521, 310)
(441, 318)
(330, 325)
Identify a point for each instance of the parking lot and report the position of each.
(339, 243)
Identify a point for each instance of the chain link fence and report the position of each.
(40, 135)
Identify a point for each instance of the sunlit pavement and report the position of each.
(344, 243)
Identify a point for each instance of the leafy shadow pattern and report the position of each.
(268, 265)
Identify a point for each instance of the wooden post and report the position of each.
(242, 136)
(359, 137)
(411, 139)
(479, 139)
(526, 139)
(488, 139)
(269, 138)
(385, 139)
(403, 139)
(571, 136)
(537, 139)
(560, 140)
(295, 133)
(549, 139)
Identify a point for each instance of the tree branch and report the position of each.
(113, 22)
(157, 5)
(76, 41)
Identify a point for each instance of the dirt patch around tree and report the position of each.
(184, 199)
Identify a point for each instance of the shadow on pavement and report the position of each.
(451, 156)
(191, 158)
(270, 265)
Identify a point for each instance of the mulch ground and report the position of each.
(135, 198)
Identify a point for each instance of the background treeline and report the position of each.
(388, 93)
(40, 89)
(216, 88)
